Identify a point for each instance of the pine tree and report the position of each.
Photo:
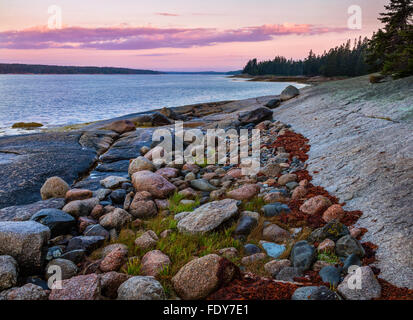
(391, 48)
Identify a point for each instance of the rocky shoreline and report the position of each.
(128, 229)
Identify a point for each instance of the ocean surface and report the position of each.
(56, 100)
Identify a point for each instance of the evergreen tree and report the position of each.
(391, 48)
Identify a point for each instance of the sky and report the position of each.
(177, 35)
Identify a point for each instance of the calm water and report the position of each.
(70, 99)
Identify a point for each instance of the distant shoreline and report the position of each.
(296, 79)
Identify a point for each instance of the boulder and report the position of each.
(273, 103)
(331, 275)
(25, 212)
(110, 283)
(208, 217)
(155, 184)
(147, 240)
(332, 230)
(289, 273)
(255, 116)
(68, 268)
(202, 276)
(96, 230)
(347, 246)
(141, 288)
(202, 185)
(84, 287)
(274, 266)
(87, 243)
(153, 262)
(360, 285)
(275, 209)
(167, 172)
(271, 170)
(25, 242)
(275, 233)
(115, 219)
(54, 187)
(315, 205)
(27, 292)
(140, 164)
(58, 221)
(113, 182)
(79, 208)
(78, 194)
(334, 212)
(113, 260)
(8, 272)
(245, 192)
(286, 178)
(245, 225)
(273, 250)
(289, 93)
(142, 209)
(302, 255)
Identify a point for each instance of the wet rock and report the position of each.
(78, 194)
(80, 208)
(202, 185)
(54, 187)
(115, 219)
(58, 221)
(209, 273)
(288, 274)
(147, 240)
(302, 255)
(66, 268)
(334, 212)
(140, 164)
(84, 287)
(153, 263)
(25, 212)
(141, 288)
(315, 205)
(208, 217)
(255, 116)
(289, 93)
(274, 266)
(274, 233)
(155, 184)
(87, 243)
(347, 245)
(25, 242)
(331, 275)
(275, 209)
(368, 288)
(113, 182)
(245, 192)
(8, 272)
(121, 126)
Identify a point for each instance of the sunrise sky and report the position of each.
(179, 35)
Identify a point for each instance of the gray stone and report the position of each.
(96, 230)
(25, 212)
(331, 275)
(245, 225)
(202, 185)
(255, 116)
(27, 292)
(208, 217)
(303, 293)
(288, 274)
(141, 288)
(302, 255)
(67, 269)
(369, 286)
(275, 209)
(273, 103)
(289, 93)
(87, 243)
(25, 242)
(351, 260)
(113, 182)
(347, 245)
(8, 272)
(80, 208)
(75, 256)
(58, 221)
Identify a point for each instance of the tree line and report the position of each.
(390, 51)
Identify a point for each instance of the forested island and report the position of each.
(16, 68)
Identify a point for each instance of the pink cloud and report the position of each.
(139, 38)
(167, 14)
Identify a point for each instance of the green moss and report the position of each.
(328, 257)
(26, 125)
